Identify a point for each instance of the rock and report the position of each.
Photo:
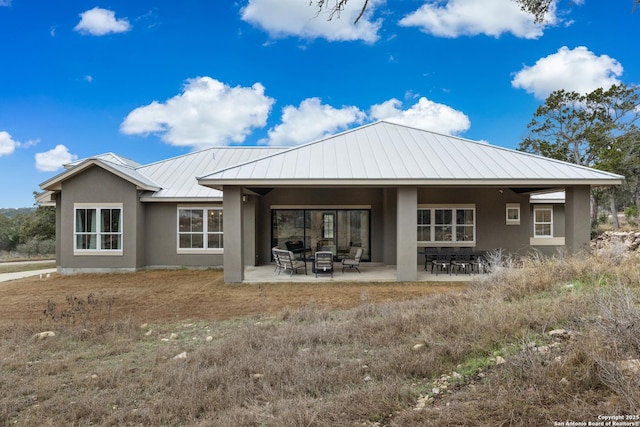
(629, 367)
(500, 360)
(209, 338)
(419, 347)
(256, 377)
(43, 335)
(94, 376)
(144, 326)
(368, 379)
(559, 333)
(173, 336)
(149, 332)
(182, 355)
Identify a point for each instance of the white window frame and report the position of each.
(453, 242)
(206, 210)
(100, 235)
(537, 209)
(511, 208)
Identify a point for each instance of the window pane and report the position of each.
(85, 220)
(86, 241)
(111, 241)
(464, 233)
(215, 241)
(191, 220)
(543, 229)
(424, 234)
(443, 216)
(424, 216)
(464, 216)
(191, 241)
(543, 215)
(443, 233)
(214, 221)
(110, 220)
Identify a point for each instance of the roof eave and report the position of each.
(55, 183)
(220, 183)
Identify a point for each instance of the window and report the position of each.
(449, 225)
(543, 221)
(98, 229)
(327, 226)
(513, 213)
(200, 228)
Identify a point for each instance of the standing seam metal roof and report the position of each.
(387, 151)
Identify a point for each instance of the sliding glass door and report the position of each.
(340, 231)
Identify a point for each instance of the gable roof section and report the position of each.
(383, 153)
(125, 172)
(173, 179)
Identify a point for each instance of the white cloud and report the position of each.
(311, 121)
(206, 113)
(54, 159)
(7, 144)
(425, 114)
(472, 17)
(282, 18)
(98, 22)
(578, 70)
(5, 2)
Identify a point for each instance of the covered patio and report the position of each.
(370, 272)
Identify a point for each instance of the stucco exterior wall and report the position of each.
(97, 186)
(161, 238)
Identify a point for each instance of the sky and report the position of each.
(150, 80)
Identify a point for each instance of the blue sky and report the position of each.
(152, 80)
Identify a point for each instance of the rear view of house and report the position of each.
(386, 188)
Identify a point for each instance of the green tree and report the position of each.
(596, 130)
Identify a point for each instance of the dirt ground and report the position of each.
(155, 296)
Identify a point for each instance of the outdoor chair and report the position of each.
(297, 247)
(442, 262)
(429, 256)
(323, 263)
(462, 262)
(276, 259)
(351, 264)
(479, 262)
(287, 261)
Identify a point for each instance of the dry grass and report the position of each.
(295, 354)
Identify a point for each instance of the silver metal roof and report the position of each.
(385, 153)
(177, 176)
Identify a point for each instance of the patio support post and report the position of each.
(233, 234)
(577, 218)
(407, 234)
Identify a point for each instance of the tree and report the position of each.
(537, 8)
(596, 130)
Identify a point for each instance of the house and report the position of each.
(387, 188)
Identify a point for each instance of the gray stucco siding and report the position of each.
(161, 238)
(95, 186)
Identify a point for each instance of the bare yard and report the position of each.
(155, 296)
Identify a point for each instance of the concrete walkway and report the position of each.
(5, 277)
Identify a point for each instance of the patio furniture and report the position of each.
(462, 262)
(352, 263)
(276, 259)
(323, 263)
(479, 262)
(297, 247)
(286, 261)
(442, 262)
(429, 256)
